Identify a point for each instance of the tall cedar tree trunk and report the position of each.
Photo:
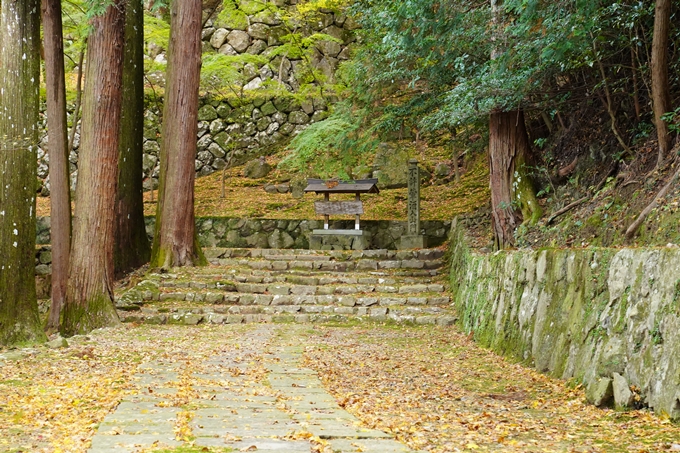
(60, 194)
(89, 297)
(512, 193)
(661, 97)
(175, 242)
(513, 199)
(132, 245)
(19, 100)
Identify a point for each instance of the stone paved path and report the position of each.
(255, 398)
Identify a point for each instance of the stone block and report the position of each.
(303, 290)
(234, 319)
(390, 264)
(278, 290)
(411, 289)
(623, 397)
(417, 300)
(239, 40)
(418, 241)
(601, 392)
(422, 320)
(214, 318)
(347, 301)
(367, 301)
(446, 320)
(390, 301)
(263, 299)
(445, 300)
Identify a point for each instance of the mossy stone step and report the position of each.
(238, 315)
(261, 285)
(363, 299)
(233, 273)
(313, 288)
(332, 266)
(338, 255)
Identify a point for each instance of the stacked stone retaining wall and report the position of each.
(265, 107)
(608, 318)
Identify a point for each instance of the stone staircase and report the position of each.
(270, 285)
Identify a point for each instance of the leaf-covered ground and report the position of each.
(437, 391)
(52, 400)
(432, 387)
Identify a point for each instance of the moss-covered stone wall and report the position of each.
(608, 318)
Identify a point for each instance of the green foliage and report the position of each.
(156, 31)
(462, 60)
(313, 6)
(96, 7)
(224, 73)
(673, 120)
(75, 29)
(231, 16)
(333, 147)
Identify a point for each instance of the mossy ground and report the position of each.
(245, 197)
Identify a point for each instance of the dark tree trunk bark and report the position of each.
(132, 245)
(60, 194)
(19, 100)
(661, 97)
(89, 297)
(175, 242)
(512, 193)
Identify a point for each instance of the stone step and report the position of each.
(412, 265)
(297, 277)
(240, 274)
(262, 285)
(323, 255)
(238, 315)
(310, 286)
(219, 298)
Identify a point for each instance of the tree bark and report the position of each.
(175, 242)
(19, 101)
(60, 194)
(89, 297)
(132, 245)
(512, 194)
(661, 98)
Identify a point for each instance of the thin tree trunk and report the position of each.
(60, 194)
(636, 91)
(79, 96)
(456, 156)
(175, 242)
(89, 297)
(19, 100)
(661, 98)
(609, 101)
(132, 244)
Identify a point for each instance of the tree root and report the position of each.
(567, 208)
(571, 206)
(632, 229)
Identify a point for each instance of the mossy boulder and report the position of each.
(391, 166)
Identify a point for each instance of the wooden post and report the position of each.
(326, 217)
(356, 221)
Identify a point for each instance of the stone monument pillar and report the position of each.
(413, 239)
